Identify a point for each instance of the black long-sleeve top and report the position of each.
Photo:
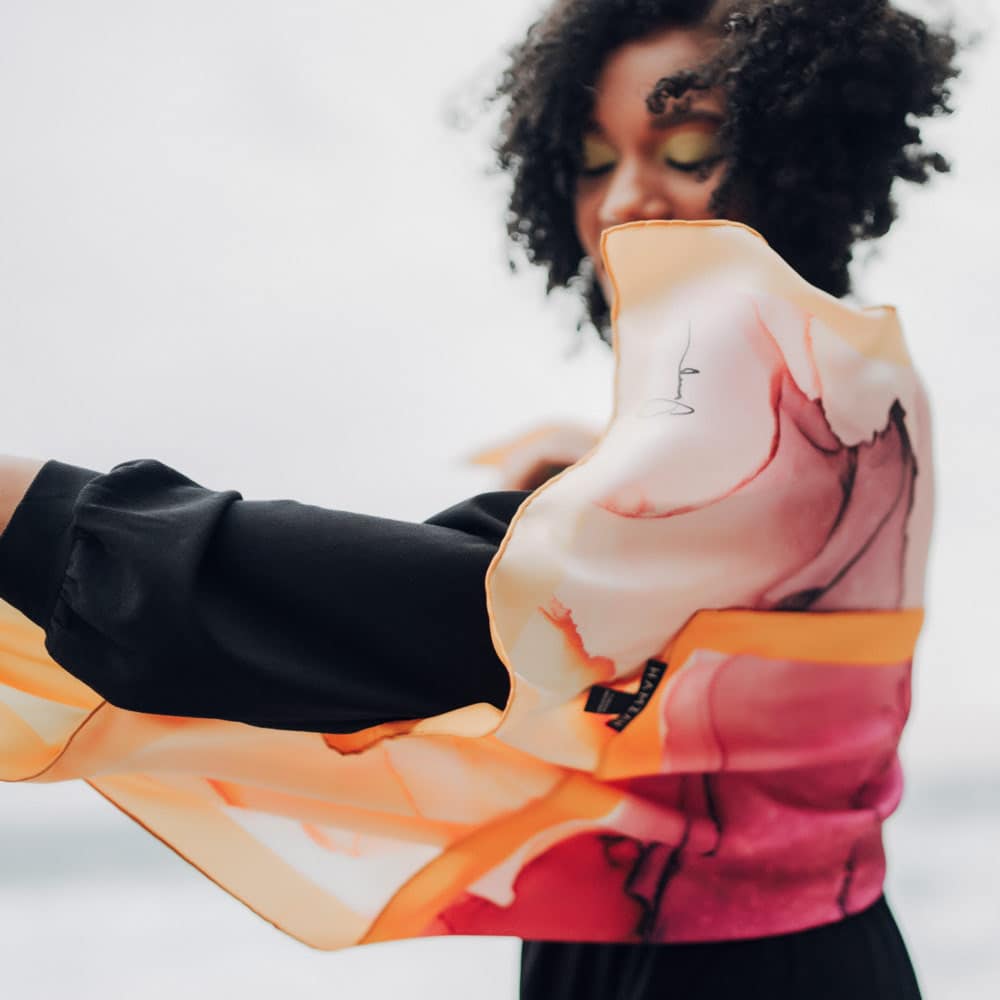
(170, 598)
(174, 599)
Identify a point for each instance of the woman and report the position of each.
(167, 598)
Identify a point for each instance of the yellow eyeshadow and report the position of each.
(691, 146)
(597, 153)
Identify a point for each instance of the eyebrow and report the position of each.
(668, 119)
(680, 116)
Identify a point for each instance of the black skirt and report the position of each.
(860, 958)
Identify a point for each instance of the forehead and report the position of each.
(631, 72)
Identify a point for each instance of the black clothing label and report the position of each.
(608, 701)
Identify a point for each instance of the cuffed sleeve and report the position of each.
(36, 546)
(180, 600)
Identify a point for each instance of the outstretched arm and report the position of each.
(16, 475)
(169, 598)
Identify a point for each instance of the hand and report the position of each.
(16, 475)
(532, 459)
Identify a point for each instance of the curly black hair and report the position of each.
(822, 99)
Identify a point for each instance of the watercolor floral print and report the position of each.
(709, 623)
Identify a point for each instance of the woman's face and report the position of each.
(639, 166)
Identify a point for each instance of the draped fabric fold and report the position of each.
(709, 623)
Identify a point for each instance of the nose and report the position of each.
(633, 195)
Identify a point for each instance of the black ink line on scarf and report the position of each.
(675, 407)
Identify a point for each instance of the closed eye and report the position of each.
(599, 156)
(691, 147)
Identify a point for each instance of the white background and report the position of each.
(242, 238)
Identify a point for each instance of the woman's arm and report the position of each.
(170, 598)
(16, 475)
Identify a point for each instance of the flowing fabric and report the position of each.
(709, 623)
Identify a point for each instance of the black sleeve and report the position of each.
(170, 598)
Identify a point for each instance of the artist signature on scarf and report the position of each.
(674, 407)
